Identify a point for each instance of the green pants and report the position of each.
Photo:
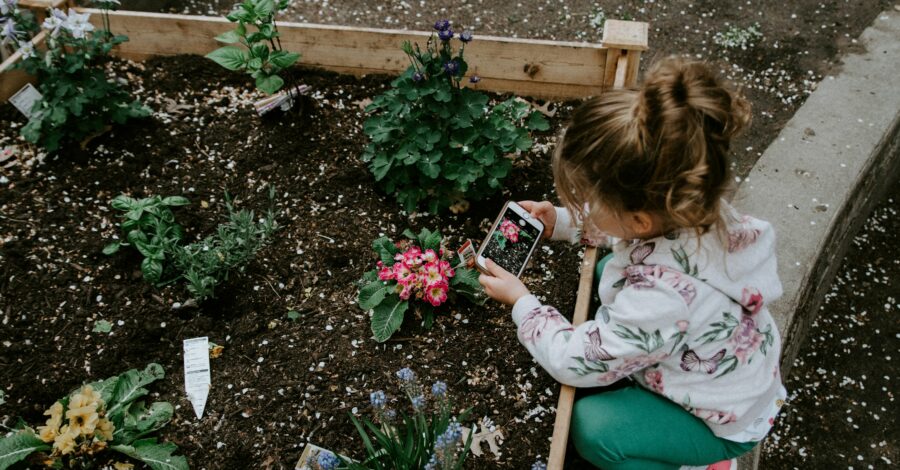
(627, 427)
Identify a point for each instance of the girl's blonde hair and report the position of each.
(661, 148)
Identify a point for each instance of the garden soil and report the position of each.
(280, 382)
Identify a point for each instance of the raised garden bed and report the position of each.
(282, 379)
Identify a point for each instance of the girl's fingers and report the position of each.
(496, 270)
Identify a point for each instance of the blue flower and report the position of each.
(446, 35)
(390, 414)
(451, 67)
(442, 25)
(406, 375)
(327, 460)
(539, 466)
(439, 389)
(418, 402)
(465, 36)
(418, 77)
(474, 79)
(377, 399)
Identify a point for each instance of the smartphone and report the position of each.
(511, 240)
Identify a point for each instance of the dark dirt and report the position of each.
(279, 382)
(842, 410)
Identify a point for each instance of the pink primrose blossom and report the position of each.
(386, 274)
(751, 300)
(746, 340)
(413, 257)
(509, 230)
(401, 271)
(406, 290)
(432, 273)
(430, 256)
(447, 271)
(654, 379)
(538, 320)
(436, 293)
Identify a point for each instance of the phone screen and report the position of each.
(511, 242)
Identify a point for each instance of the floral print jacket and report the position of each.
(685, 318)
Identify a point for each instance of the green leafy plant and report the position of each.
(416, 271)
(261, 55)
(736, 37)
(99, 417)
(17, 26)
(78, 99)
(149, 225)
(436, 142)
(430, 437)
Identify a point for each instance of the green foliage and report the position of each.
(261, 54)
(149, 225)
(739, 38)
(390, 296)
(122, 405)
(79, 100)
(434, 142)
(428, 437)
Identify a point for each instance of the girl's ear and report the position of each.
(643, 224)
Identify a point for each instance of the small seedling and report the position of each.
(736, 37)
(102, 326)
(293, 315)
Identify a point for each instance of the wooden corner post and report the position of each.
(624, 41)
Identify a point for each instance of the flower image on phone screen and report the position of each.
(511, 242)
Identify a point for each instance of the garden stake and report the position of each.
(566, 393)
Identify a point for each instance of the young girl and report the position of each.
(683, 293)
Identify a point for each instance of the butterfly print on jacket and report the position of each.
(593, 351)
(690, 361)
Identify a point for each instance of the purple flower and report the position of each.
(406, 375)
(327, 461)
(465, 36)
(418, 77)
(8, 7)
(418, 402)
(446, 35)
(539, 466)
(377, 399)
(8, 32)
(451, 67)
(474, 79)
(439, 389)
(442, 25)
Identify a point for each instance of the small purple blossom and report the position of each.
(8, 7)
(418, 77)
(442, 25)
(539, 466)
(474, 79)
(418, 402)
(445, 35)
(439, 389)
(377, 399)
(465, 36)
(451, 67)
(406, 375)
(8, 32)
(390, 414)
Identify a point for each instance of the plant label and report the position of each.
(467, 255)
(25, 98)
(494, 440)
(196, 373)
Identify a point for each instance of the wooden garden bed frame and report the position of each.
(526, 67)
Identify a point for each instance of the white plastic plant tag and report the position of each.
(197, 378)
(25, 98)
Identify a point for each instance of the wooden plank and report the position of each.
(628, 35)
(545, 69)
(566, 393)
(634, 63)
(12, 80)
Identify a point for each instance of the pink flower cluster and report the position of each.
(509, 230)
(421, 274)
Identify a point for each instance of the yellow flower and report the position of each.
(85, 397)
(105, 429)
(83, 420)
(64, 443)
(48, 433)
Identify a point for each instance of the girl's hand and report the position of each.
(501, 285)
(543, 211)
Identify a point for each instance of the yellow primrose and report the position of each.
(48, 433)
(105, 429)
(83, 420)
(64, 443)
(86, 396)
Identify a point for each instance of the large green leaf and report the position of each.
(283, 59)
(387, 317)
(157, 455)
(176, 201)
(129, 388)
(465, 282)
(16, 447)
(537, 122)
(385, 249)
(152, 270)
(429, 240)
(230, 57)
(228, 37)
(371, 294)
(140, 421)
(269, 83)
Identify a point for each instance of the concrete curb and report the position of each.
(820, 179)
